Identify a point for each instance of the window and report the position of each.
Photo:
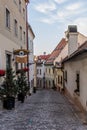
(46, 70)
(40, 82)
(58, 79)
(46, 83)
(7, 18)
(23, 13)
(24, 36)
(40, 71)
(16, 66)
(49, 71)
(61, 80)
(77, 83)
(20, 5)
(21, 65)
(37, 71)
(53, 70)
(32, 46)
(16, 27)
(49, 83)
(8, 60)
(65, 76)
(15, 1)
(25, 65)
(20, 33)
(53, 83)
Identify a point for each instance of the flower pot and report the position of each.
(21, 97)
(29, 94)
(12, 99)
(34, 90)
(9, 103)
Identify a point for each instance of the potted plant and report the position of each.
(22, 86)
(8, 89)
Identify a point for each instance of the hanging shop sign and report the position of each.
(21, 55)
(21, 51)
(22, 59)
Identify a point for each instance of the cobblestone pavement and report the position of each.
(45, 110)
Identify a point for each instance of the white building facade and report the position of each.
(12, 31)
(76, 82)
(31, 37)
(75, 69)
(40, 74)
(41, 71)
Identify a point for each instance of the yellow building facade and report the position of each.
(58, 76)
(49, 76)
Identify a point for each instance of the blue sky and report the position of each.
(49, 20)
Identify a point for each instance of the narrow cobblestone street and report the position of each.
(45, 110)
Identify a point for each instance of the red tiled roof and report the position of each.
(83, 46)
(43, 57)
(56, 51)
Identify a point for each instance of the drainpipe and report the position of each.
(35, 74)
(27, 37)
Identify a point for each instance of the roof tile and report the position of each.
(57, 51)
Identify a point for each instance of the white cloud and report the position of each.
(47, 20)
(74, 6)
(61, 14)
(45, 7)
(70, 15)
(60, 1)
(66, 14)
(82, 25)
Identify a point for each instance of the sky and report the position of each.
(49, 20)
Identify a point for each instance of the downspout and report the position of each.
(27, 39)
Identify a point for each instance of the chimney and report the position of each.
(44, 53)
(72, 36)
(66, 35)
